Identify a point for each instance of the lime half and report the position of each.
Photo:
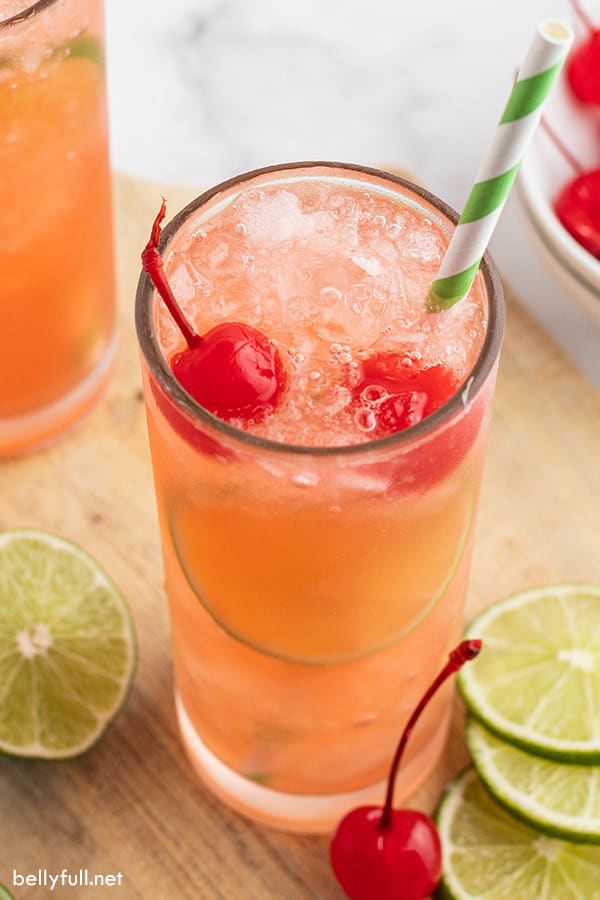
(537, 682)
(561, 799)
(487, 853)
(67, 647)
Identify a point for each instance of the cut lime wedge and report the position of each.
(537, 682)
(5, 894)
(67, 647)
(560, 799)
(487, 853)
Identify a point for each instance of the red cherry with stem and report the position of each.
(577, 206)
(583, 66)
(382, 853)
(234, 371)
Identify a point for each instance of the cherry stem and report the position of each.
(152, 264)
(465, 651)
(582, 15)
(564, 150)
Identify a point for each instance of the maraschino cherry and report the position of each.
(233, 370)
(578, 208)
(583, 66)
(393, 392)
(382, 853)
(578, 204)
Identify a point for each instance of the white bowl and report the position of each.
(543, 174)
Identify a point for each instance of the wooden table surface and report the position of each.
(131, 804)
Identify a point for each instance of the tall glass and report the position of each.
(314, 591)
(57, 298)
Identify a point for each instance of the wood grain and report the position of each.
(132, 804)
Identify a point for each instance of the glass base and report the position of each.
(317, 814)
(21, 434)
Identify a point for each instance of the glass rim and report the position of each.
(160, 370)
(32, 10)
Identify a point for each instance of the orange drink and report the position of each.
(316, 558)
(57, 291)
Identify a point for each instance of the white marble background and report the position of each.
(200, 90)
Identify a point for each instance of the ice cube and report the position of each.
(182, 282)
(279, 217)
(369, 264)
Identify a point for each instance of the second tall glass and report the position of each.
(57, 298)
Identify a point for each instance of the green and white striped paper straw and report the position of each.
(537, 75)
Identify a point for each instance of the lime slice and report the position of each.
(487, 853)
(67, 647)
(537, 682)
(5, 894)
(557, 798)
